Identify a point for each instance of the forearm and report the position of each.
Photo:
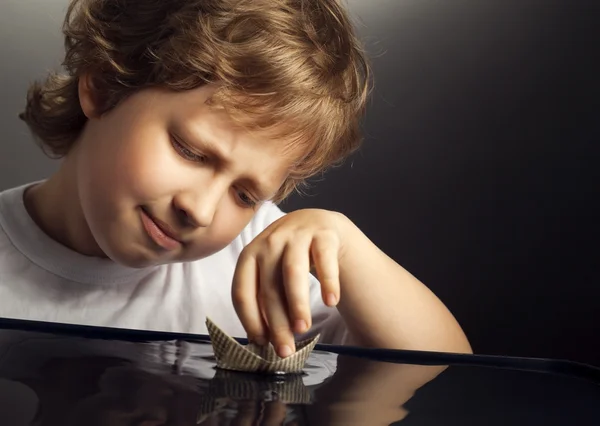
(383, 305)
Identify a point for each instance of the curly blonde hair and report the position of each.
(294, 66)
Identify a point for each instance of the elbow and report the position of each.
(458, 343)
(465, 347)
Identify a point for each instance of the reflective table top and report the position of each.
(64, 375)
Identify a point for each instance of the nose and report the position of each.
(196, 208)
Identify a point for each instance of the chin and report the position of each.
(135, 263)
(136, 257)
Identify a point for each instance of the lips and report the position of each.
(159, 232)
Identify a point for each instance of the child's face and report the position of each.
(167, 158)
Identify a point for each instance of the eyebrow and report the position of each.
(258, 187)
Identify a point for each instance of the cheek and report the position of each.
(229, 222)
(130, 166)
(231, 219)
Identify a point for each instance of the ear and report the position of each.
(88, 96)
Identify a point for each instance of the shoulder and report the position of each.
(5, 244)
(11, 212)
(17, 229)
(11, 204)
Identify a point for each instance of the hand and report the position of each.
(271, 282)
(250, 412)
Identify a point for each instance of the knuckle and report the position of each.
(246, 255)
(253, 328)
(327, 236)
(330, 283)
(247, 250)
(293, 269)
(327, 266)
(328, 277)
(299, 308)
(273, 241)
(280, 331)
(269, 295)
(322, 254)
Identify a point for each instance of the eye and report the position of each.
(187, 153)
(245, 200)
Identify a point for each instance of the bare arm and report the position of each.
(383, 305)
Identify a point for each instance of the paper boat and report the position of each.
(252, 358)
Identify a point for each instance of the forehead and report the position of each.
(263, 154)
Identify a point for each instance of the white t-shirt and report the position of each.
(43, 280)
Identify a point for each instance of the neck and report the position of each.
(55, 207)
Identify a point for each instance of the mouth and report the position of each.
(159, 232)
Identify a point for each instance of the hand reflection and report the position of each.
(250, 413)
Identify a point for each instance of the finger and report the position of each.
(244, 293)
(295, 269)
(324, 252)
(272, 299)
(246, 414)
(274, 414)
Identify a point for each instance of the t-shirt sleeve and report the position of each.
(326, 321)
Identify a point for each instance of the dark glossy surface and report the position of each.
(82, 376)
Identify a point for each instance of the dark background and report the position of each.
(478, 172)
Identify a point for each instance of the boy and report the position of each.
(181, 124)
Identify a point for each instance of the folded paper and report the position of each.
(253, 358)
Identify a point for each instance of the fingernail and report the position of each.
(300, 326)
(285, 351)
(331, 299)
